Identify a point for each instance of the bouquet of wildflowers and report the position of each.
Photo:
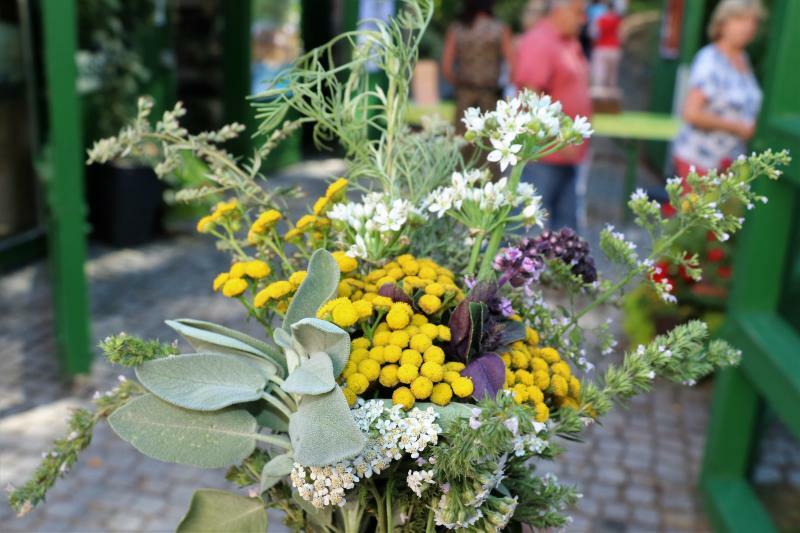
(413, 371)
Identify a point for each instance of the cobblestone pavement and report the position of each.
(637, 471)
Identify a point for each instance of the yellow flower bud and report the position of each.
(403, 396)
(234, 287)
(463, 387)
(441, 394)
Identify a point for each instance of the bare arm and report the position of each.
(508, 51)
(449, 57)
(696, 114)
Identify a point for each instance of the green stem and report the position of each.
(497, 235)
(277, 404)
(473, 255)
(275, 440)
(429, 527)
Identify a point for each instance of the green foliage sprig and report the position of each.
(62, 457)
(126, 350)
(681, 355)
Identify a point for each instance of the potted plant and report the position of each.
(124, 196)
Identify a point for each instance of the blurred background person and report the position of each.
(594, 10)
(550, 59)
(475, 48)
(532, 13)
(606, 52)
(724, 97)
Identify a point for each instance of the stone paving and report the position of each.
(637, 471)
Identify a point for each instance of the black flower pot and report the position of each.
(125, 204)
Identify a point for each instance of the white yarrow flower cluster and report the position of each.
(391, 432)
(526, 115)
(419, 480)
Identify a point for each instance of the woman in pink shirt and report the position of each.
(549, 59)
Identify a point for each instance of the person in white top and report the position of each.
(724, 97)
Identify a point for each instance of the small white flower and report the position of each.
(504, 152)
(583, 127)
(474, 119)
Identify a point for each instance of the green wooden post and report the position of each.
(770, 370)
(65, 197)
(236, 70)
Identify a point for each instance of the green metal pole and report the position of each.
(692, 29)
(65, 197)
(236, 70)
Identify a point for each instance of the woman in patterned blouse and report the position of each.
(724, 97)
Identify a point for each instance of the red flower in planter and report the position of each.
(660, 274)
(725, 272)
(715, 255)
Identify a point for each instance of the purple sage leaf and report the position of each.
(488, 373)
(393, 291)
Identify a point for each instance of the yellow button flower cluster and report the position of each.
(405, 362)
(538, 376)
(222, 210)
(234, 282)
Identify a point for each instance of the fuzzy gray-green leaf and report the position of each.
(202, 381)
(313, 376)
(323, 431)
(213, 510)
(219, 339)
(276, 469)
(175, 435)
(318, 287)
(316, 335)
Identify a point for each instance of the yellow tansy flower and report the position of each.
(463, 387)
(234, 287)
(441, 394)
(344, 314)
(357, 382)
(257, 269)
(346, 263)
(429, 303)
(297, 278)
(388, 376)
(220, 280)
(403, 396)
(205, 224)
(421, 388)
(320, 205)
(338, 186)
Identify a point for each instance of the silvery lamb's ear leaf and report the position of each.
(318, 287)
(292, 350)
(313, 376)
(195, 438)
(204, 340)
(220, 510)
(202, 381)
(323, 431)
(271, 417)
(276, 469)
(317, 335)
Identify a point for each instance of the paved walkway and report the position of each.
(637, 471)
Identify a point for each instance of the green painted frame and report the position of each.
(67, 227)
(770, 371)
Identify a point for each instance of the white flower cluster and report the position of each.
(617, 248)
(527, 114)
(662, 285)
(374, 221)
(472, 198)
(391, 433)
(418, 481)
